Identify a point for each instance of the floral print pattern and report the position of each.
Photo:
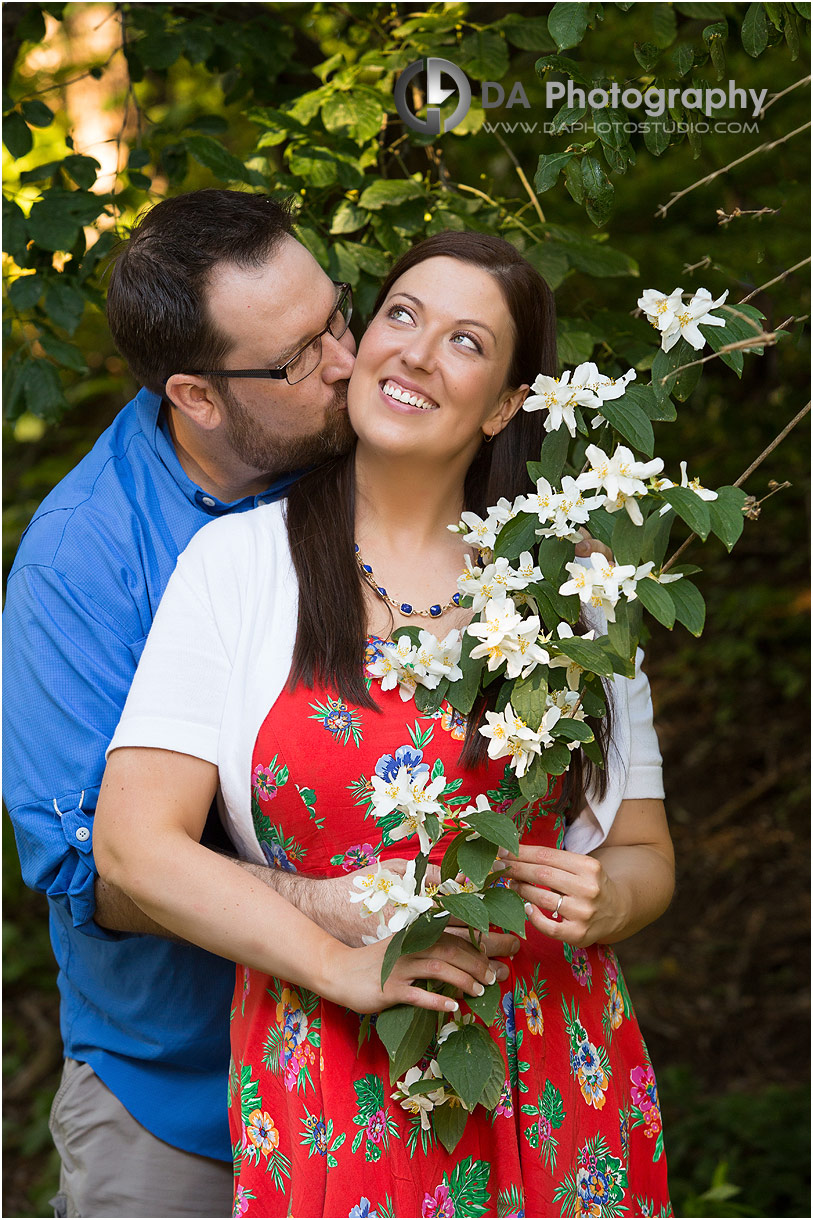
(315, 1127)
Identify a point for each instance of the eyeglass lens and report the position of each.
(308, 359)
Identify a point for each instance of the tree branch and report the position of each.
(804, 81)
(745, 475)
(521, 175)
(776, 280)
(663, 208)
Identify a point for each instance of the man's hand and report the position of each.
(590, 546)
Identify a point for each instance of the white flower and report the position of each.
(411, 794)
(561, 512)
(510, 735)
(421, 1103)
(494, 580)
(506, 636)
(585, 386)
(408, 904)
(483, 533)
(574, 670)
(621, 477)
(436, 659)
(374, 889)
(382, 932)
(566, 703)
(674, 319)
(602, 584)
(482, 805)
(693, 484)
(395, 666)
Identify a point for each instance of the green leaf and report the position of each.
(463, 693)
(726, 514)
(497, 828)
(516, 536)
(25, 291)
(527, 33)
(568, 729)
(664, 25)
(485, 1005)
(505, 909)
(448, 866)
(160, 50)
(387, 192)
(597, 259)
(359, 110)
(449, 1123)
(647, 54)
(372, 260)
(690, 609)
(428, 701)
(553, 456)
(37, 113)
(83, 170)
(347, 218)
(555, 759)
(467, 1060)
(466, 908)
(715, 37)
(656, 599)
(567, 24)
(475, 858)
(754, 33)
(424, 932)
(657, 529)
(688, 505)
(587, 653)
(392, 954)
(55, 220)
(681, 59)
(628, 540)
(553, 607)
(44, 395)
(483, 55)
(14, 230)
(602, 525)
(656, 134)
(64, 304)
(65, 354)
(549, 168)
(17, 135)
(223, 164)
(631, 422)
(407, 1042)
(561, 63)
(598, 190)
(528, 697)
(643, 396)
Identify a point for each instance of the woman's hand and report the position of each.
(356, 976)
(591, 907)
(610, 894)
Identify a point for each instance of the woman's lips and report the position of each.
(404, 398)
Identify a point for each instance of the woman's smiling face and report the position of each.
(430, 374)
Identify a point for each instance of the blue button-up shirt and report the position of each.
(150, 1016)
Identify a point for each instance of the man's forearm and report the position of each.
(323, 901)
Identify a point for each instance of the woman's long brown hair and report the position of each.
(331, 628)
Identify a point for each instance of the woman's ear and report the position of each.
(508, 406)
(196, 399)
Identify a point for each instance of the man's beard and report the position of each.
(275, 455)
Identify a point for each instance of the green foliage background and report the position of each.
(297, 99)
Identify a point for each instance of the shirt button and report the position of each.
(208, 501)
(83, 834)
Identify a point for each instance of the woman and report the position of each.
(254, 677)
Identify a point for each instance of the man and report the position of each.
(241, 343)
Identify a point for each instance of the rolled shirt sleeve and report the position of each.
(65, 677)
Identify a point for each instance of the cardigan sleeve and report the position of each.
(633, 764)
(180, 688)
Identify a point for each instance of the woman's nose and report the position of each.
(419, 352)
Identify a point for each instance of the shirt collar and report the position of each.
(154, 424)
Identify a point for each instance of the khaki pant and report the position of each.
(112, 1166)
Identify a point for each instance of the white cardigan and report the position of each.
(219, 654)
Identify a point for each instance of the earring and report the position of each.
(488, 437)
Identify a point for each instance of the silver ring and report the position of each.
(559, 903)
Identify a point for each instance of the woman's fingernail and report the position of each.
(528, 909)
(502, 853)
(479, 989)
(451, 1005)
(491, 977)
(502, 971)
(514, 948)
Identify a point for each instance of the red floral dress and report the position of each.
(315, 1129)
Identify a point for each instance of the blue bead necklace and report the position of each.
(403, 607)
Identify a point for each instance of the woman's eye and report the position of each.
(399, 313)
(468, 341)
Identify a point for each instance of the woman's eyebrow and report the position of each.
(460, 321)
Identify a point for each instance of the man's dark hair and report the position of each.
(156, 303)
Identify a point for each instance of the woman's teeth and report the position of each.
(393, 390)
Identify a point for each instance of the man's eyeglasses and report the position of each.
(307, 359)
